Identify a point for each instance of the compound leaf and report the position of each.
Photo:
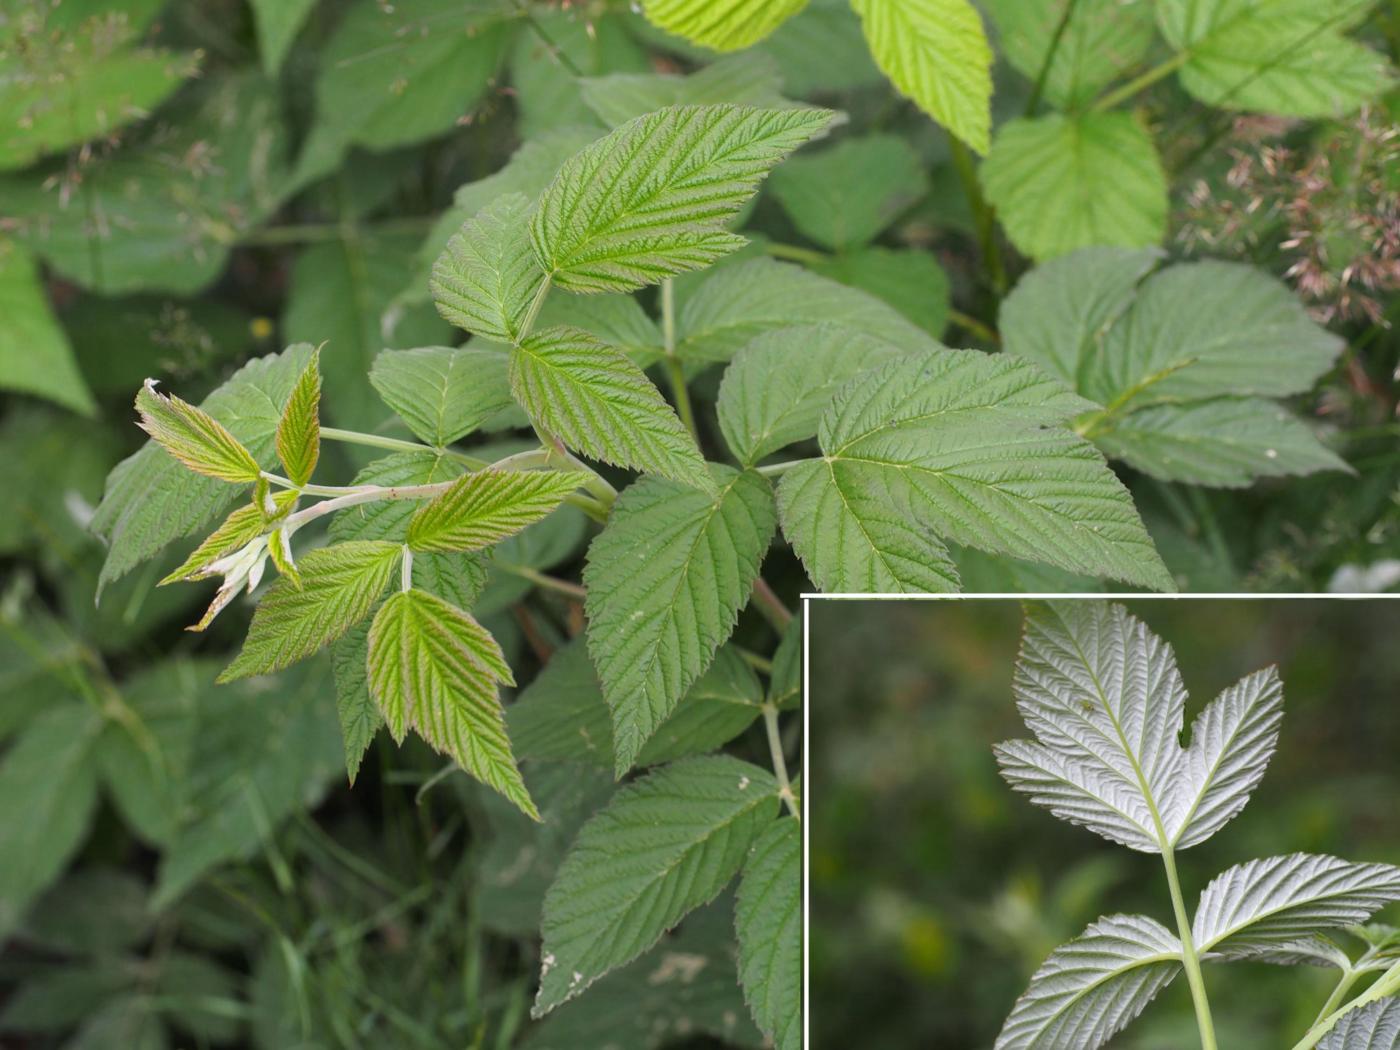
(435, 668)
(1061, 182)
(299, 430)
(1090, 988)
(594, 398)
(768, 919)
(1262, 904)
(725, 25)
(486, 506)
(666, 581)
(443, 393)
(663, 846)
(194, 437)
(339, 587)
(651, 199)
(936, 53)
(487, 277)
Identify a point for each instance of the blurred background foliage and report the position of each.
(936, 891)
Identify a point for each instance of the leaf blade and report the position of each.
(486, 506)
(487, 276)
(768, 920)
(299, 430)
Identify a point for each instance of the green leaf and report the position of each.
(598, 402)
(768, 918)
(164, 210)
(785, 684)
(1101, 41)
(359, 714)
(299, 430)
(339, 586)
(486, 506)
(725, 25)
(962, 445)
(650, 200)
(666, 580)
(617, 320)
(398, 74)
(48, 792)
(1290, 58)
(35, 355)
(843, 197)
(738, 302)
(441, 393)
(1092, 987)
(665, 845)
(723, 702)
(278, 22)
(63, 85)
(776, 388)
(194, 437)
(1227, 442)
(749, 79)
(433, 667)
(240, 528)
(486, 279)
(936, 53)
(1066, 182)
(908, 279)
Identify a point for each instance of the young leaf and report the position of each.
(1065, 182)
(299, 430)
(663, 846)
(957, 444)
(768, 919)
(485, 507)
(1105, 699)
(433, 667)
(1375, 1026)
(936, 53)
(725, 25)
(666, 580)
(340, 585)
(240, 528)
(591, 396)
(1263, 904)
(1089, 989)
(487, 277)
(443, 393)
(651, 199)
(194, 437)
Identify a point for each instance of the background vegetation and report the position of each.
(937, 891)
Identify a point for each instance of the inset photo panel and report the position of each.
(1072, 822)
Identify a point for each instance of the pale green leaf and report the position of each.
(776, 388)
(443, 393)
(1102, 41)
(194, 437)
(241, 527)
(651, 199)
(725, 25)
(666, 580)
(340, 585)
(597, 401)
(737, 303)
(486, 279)
(1288, 57)
(299, 431)
(486, 506)
(1227, 442)
(749, 79)
(1065, 182)
(908, 279)
(278, 22)
(768, 919)
(936, 53)
(1089, 989)
(48, 791)
(843, 197)
(35, 355)
(433, 667)
(665, 845)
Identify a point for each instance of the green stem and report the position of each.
(1189, 957)
(984, 216)
(780, 771)
(355, 437)
(406, 569)
(773, 470)
(1039, 87)
(675, 371)
(539, 579)
(528, 322)
(979, 329)
(771, 606)
(1388, 984)
(793, 253)
(1348, 979)
(1142, 82)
